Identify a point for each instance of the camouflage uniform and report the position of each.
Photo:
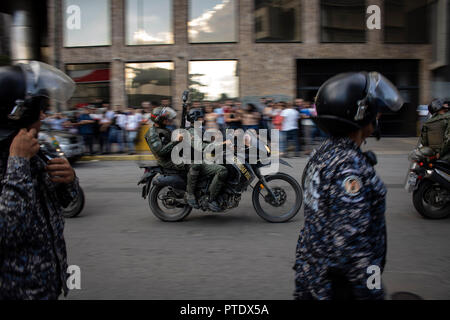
(159, 141)
(344, 227)
(33, 260)
(436, 134)
(217, 172)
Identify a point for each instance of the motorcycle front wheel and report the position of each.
(429, 200)
(289, 198)
(164, 205)
(75, 207)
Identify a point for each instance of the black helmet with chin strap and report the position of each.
(25, 91)
(349, 101)
(195, 114)
(435, 106)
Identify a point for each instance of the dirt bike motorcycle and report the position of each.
(428, 179)
(276, 197)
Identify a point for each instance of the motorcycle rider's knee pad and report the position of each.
(195, 169)
(223, 173)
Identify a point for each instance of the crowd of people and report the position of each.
(103, 128)
(115, 129)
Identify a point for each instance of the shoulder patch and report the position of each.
(352, 185)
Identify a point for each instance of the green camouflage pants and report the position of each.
(217, 172)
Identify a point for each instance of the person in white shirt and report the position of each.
(132, 127)
(289, 128)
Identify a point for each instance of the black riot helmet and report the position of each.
(25, 91)
(195, 114)
(349, 101)
(435, 106)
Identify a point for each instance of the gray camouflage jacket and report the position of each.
(344, 222)
(33, 260)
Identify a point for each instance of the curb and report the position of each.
(135, 157)
(150, 157)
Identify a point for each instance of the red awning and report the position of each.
(99, 75)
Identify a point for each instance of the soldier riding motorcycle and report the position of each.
(429, 174)
(276, 197)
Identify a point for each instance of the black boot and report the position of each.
(191, 200)
(214, 205)
(192, 179)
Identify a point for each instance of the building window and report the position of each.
(149, 81)
(213, 80)
(278, 20)
(86, 23)
(212, 21)
(149, 22)
(92, 83)
(343, 20)
(406, 21)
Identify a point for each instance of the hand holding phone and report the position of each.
(60, 170)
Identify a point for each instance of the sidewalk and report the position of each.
(386, 146)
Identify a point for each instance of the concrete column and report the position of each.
(375, 37)
(424, 82)
(117, 83)
(182, 55)
(311, 21)
(117, 67)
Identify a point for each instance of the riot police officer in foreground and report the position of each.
(436, 130)
(343, 241)
(34, 186)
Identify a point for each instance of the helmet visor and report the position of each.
(383, 93)
(44, 80)
(169, 113)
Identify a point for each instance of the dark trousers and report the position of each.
(292, 136)
(89, 142)
(104, 141)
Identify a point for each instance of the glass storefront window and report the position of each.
(87, 23)
(278, 20)
(149, 22)
(213, 80)
(148, 81)
(406, 21)
(212, 21)
(92, 83)
(343, 20)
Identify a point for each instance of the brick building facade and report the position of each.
(264, 68)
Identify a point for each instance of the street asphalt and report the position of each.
(125, 252)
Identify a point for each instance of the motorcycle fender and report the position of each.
(285, 163)
(174, 181)
(441, 177)
(147, 179)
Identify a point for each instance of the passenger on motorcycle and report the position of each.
(158, 139)
(436, 130)
(216, 172)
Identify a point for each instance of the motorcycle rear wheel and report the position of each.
(265, 214)
(159, 212)
(425, 209)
